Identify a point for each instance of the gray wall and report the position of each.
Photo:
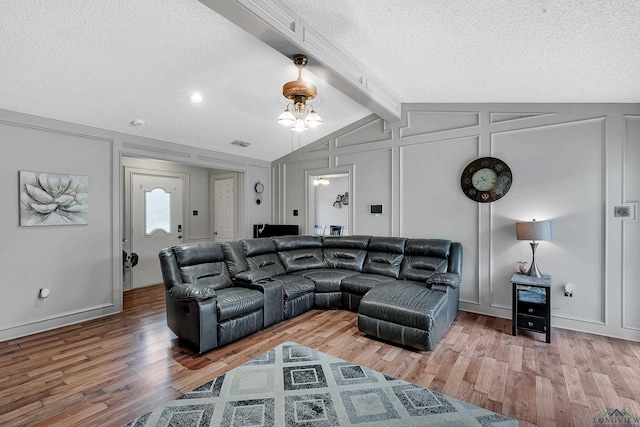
(82, 265)
(571, 163)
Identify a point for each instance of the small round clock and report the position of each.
(259, 187)
(486, 179)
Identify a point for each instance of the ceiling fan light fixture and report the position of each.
(298, 115)
(286, 118)
(299, 125)
(313, 119)
(321, 181)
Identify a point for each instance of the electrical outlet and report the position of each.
(622, 211)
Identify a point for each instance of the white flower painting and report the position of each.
(53, 199)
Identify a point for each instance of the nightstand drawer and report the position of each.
(532, 309)
(531, 322)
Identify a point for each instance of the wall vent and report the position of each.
(240, 143)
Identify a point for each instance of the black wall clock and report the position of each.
(259, 188)
(486, 179)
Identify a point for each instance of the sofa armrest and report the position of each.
(252, 276)
(437, 280)
(186, 292)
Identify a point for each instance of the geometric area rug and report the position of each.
(294, 385)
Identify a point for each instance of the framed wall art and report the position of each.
(53, 199)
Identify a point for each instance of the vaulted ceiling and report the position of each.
(104, 63)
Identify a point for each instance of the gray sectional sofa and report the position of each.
(404, 290)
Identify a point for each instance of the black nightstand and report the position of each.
(531, 304)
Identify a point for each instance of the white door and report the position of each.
(224, 210)
(156, 221)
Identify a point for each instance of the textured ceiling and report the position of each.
(489, 50)
(103, 63)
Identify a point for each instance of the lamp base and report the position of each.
(533, 270)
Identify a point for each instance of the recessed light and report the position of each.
(137, 122)
(196, 98)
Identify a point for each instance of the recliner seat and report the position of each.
(204, 307)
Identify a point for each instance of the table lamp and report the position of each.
(534, 230)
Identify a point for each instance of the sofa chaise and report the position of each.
(405, 291)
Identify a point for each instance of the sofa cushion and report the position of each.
(404, 302)
(288, 243)
(346, 252)
(198, 253)
(253, 247)
(236, 301)
(423, 257)
(211, 275)
(294, 285)
(203, 264)
(384, 256)
(360, 284)
(346, 242)
(262, 256)
(327, 279)
(301, 259)
(234, 257)
(350, 259)
(392, 245)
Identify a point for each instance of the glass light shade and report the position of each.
(313, 119)
(299, 125)
(286, 118)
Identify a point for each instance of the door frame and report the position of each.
(128, 212)
(238, 195)
(309, 175)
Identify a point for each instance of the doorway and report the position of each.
(198, 214)
(330, 202)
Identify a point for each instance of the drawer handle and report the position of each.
(531, 310)
(530, 323)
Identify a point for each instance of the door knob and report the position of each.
(179, 237)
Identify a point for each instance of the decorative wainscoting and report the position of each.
(571, 163)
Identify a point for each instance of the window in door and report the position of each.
(157, 211)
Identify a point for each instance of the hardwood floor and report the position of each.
(108, 371)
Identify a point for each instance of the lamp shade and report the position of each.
(534, 230)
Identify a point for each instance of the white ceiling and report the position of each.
(104, 63)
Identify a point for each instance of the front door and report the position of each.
(156, 221)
